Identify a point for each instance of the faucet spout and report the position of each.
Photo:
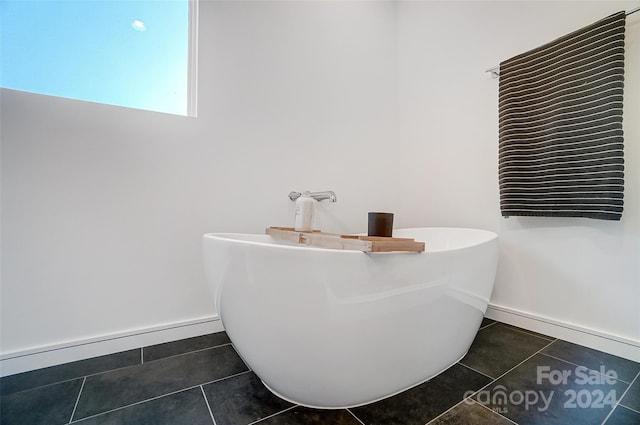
(321, 196)
(318, 196)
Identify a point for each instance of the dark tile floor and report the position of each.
(509, 376)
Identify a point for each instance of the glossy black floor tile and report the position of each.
(168, 349)
(242, 399)
(186, 407)
(623, 416)
(122, 387)
(470, 413)
(547, 391)
(304, 416)
(625, 369)
(50, 375)
(48, 405)
(632, 397)
(424, 402)
(498, 348)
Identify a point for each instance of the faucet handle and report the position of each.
(318, 196)
(293, 195)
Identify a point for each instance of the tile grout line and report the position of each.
(490, 383)
(121, 367)
(464, 400)
(106, 371)
(208, 406)
(116, 368)
(36, 371)
(75, 406)
(486, 326)
(494, 412)
(620, 399)
(476, 371)
(531, 333)
(226, 377)
(579, 365)
(149, 361)
(628, 408)
(354, 415)
(519, 364)
(160, 396)
(447, 411)
(275, 414)
(622, 406)
(45, 385)
(133, 404)
(192, 351)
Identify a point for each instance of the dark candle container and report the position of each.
(380, 224)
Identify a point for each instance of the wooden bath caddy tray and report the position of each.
(320, 239)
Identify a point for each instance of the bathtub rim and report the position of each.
(237, 237)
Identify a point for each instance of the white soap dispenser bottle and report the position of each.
(305, 213)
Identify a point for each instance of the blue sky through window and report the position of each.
(132, 53)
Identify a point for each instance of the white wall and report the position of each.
(573, 273)
(103, 208)
(386, 104)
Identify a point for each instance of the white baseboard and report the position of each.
(51, 355)
(598, 340)
(55, 354)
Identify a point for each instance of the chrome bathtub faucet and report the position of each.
(318, 196)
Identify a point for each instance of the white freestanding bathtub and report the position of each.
(332, 329)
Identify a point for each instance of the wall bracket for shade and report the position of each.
(495, 71)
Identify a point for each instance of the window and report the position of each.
(133, 53)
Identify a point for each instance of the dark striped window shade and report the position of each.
(560, 126)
